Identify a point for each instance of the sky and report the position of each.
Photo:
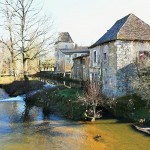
(88, 20)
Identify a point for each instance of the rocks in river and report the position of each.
(143, 129)
(97, 138)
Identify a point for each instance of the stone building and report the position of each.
(80, 69)
(63, 43)
(113, 56)
(65, 51)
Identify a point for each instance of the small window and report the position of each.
(95, 57)
(96, 76)
(83, 61)
(105, 56)
(75, 55)
(92, 76)
(144, 55)
(66, 46)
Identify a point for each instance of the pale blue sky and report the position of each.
(88, 20)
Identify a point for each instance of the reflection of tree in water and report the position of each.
(46, 110)
(31, 113)
(46, 113)
(14, 110)
(26, 117)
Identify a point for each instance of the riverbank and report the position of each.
(57, 77)
(24, 126)
(6, 80)
(132, 108)
(15, 88)
(60, 99)
(143, 129)
(65, 100)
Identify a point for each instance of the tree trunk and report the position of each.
(13, 66)
(25, 68)
(94, 113)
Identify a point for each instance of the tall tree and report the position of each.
(33, 31)
(9, 42)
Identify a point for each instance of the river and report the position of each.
(28, 128)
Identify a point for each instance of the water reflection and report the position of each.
(67, 84)
(23, 127)
(21, 124)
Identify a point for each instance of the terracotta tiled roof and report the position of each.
(128, 28)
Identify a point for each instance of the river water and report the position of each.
(28, 128)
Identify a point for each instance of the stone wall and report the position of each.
(80, 71)
(64, 45)
(63, 62)
(116, 65)
(94, 67)
(127, 57)
(105, 67)
(109, 68)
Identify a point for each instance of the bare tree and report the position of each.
(33, 31)
(9, 42)
(93, 98)
(48, 64)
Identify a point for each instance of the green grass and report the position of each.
(60, 99)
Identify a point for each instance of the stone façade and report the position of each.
(114, 55)
(116, 65)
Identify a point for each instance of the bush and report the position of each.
(60, 99)
(68, 104)
(132, 108)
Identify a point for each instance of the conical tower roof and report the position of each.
(64, 37)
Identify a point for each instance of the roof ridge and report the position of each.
(129, 27)
(124, 22)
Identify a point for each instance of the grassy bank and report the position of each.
(60, 99)
(65, 101)
(6, 80)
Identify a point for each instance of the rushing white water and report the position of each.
(18, 98)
